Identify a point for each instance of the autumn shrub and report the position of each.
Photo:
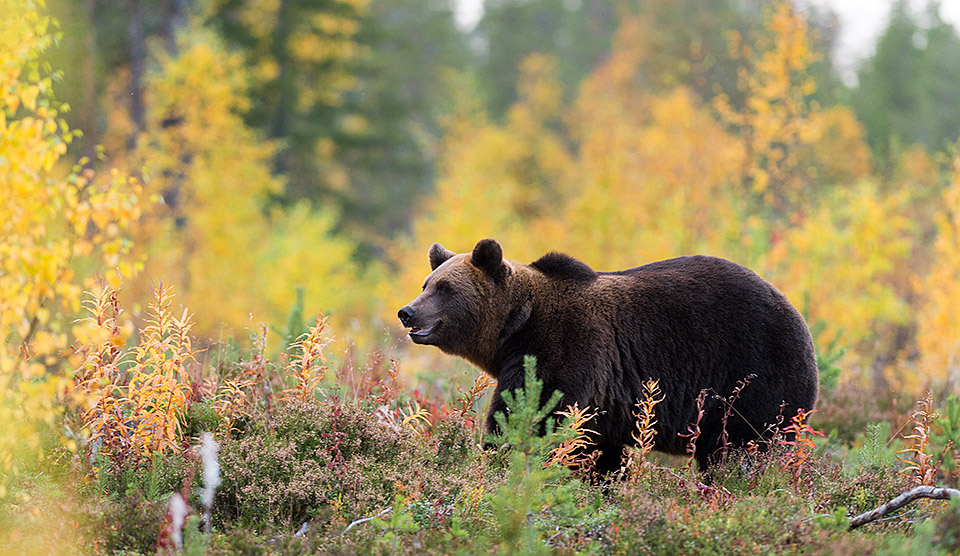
(638, 515)
(131, 523)
(217, 234)
(54, 224)
(938, 324)
(453, 440)
(152, 481)
(745, 526)
(131, 403)
(863, 488)
(670, 514)
(315, 456)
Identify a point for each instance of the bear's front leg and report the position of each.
(514, 381)
(497, 405)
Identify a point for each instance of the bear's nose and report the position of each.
(405, 314)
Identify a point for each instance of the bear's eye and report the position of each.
(443, 287)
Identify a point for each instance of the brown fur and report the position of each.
(692, 322)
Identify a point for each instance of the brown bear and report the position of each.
(693, 323)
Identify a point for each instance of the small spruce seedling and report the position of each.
(530, 433)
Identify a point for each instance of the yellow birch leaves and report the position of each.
(53, 221)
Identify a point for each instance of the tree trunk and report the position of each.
(286, 92)
(135, 38)
(90, 104)
(176, 19)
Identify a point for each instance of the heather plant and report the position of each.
(314, 456)
(131, 524)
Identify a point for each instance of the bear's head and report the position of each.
(469, 304)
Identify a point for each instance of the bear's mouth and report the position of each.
(422, 332)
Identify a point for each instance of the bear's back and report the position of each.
(702, 322)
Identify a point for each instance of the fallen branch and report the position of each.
(364, 520)
(935, 493)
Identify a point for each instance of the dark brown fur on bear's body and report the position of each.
(693, 323)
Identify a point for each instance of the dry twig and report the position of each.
(902, 500)
(365, 519)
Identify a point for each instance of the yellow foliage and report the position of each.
(635, 457)
(202, 237)
(835, 149)
(308, 365)
(938, 320)
(211, 235)
(50, 225)
(841, 260)
(494, 181)
(655, 184)
(133, 402)
(774, 123)
(781, 184)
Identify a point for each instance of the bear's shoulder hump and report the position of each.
(564, 267)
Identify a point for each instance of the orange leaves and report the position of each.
(922, 466)
(307, 365)
(468, 399)
(800, 441)
(645, 415)
(159, 384)
(572, 453)
(132, 403)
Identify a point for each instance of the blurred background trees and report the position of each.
(909, 90)
(286, 143)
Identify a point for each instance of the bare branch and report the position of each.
(364, 520)
(907, 497)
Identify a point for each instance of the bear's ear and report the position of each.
(438, 255)
(487, 256)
